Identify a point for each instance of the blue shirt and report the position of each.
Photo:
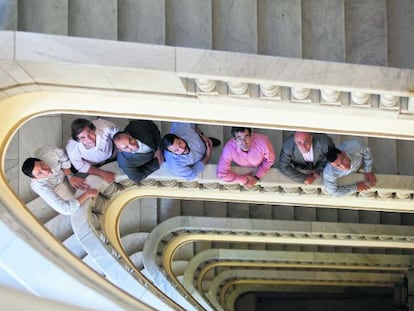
(189, 165)
(357, 153)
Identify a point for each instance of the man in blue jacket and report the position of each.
(138, 149)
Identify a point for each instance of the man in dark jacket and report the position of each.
(138, 149)
(303, 156)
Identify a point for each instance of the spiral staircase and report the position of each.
(339, 67)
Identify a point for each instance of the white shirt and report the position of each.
(308, 156)
(57, 160)
(142, 148)
(82, 158)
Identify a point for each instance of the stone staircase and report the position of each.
(359, 32)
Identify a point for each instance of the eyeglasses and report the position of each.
(242, 138)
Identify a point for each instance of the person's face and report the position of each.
(342, 162)
(303, 141)
(126, 143)
(41, 170)
(179, 146)
(87, 137)
(243, 140)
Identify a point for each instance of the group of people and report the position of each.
(139, 151)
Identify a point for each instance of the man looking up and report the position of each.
(91, 146)
(303, 156)
(347, 160)
(52, 180)
(138, 149)
(187, 150)
(248, 150)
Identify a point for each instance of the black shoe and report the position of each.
(216, 142)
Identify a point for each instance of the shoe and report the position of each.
(216, 142)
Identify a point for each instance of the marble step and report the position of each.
(142, 21)
(72, 244)
(366, 32)
(260, 211)
(384, 162)
(238, 210)
(280, 28)
(9, 15)
(133, 242)
(185, 252)
(60, 227)
(305, 213)
(234, 25)
(44, 16)
(400, 34)
(137, 260)
(327, 30)
(139, 216)
(94, 19)
(323, 30)
(178, 267)
(192, 208)
(41, 210)
(168, 208)
(90, 261)
(189, 23)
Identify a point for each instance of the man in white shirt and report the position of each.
(53, 181)
(91, 146)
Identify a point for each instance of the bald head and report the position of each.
(303, 141)
(125, 142)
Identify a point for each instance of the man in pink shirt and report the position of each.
(248, 150)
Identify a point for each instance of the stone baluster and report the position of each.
(206, 85)
(330, 96)
(300, 93)
(411, 103)
(359, 98)
(389, 101)
(269, 90)
(238, 87)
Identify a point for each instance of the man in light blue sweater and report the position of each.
(347, 160)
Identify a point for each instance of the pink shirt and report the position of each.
(260, 155)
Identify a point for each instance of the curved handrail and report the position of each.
(226, 280)
(39, 96)
(210, 259)
(93, 241)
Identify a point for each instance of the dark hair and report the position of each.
(332, 154)
(168, 140)
(117, 135)
(79, 125)
(235, 130)
(28, 166)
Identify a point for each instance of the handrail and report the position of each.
(125, 277)
(165, 240)
(30, 93)
(226, 280)
(210, 259)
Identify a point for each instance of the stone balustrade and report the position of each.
(276, 188)
(167, 238)
(271, 188)
(86, 228)
(262, 87)
(206, 261)
(226, 281)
